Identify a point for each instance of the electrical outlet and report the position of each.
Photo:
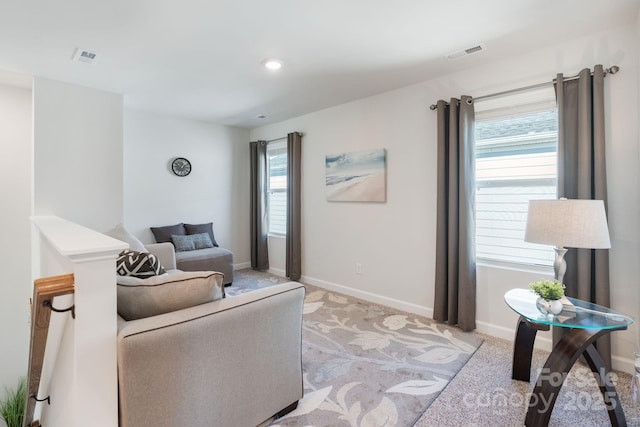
(358, 268)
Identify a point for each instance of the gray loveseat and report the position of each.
(231, 362)
(210, 258)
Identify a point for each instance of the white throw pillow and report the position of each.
(121, 233)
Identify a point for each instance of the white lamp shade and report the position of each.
(569, 223)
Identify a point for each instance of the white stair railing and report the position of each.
(79, 368)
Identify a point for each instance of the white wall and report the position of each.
(78, 153)
(215, 191)
(395, 241)
(15, 252)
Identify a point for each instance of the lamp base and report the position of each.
(560, 265)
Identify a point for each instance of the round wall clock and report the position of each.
(181, 166)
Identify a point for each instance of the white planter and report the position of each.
(549, 306)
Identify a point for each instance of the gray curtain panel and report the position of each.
(582, 175)
(294, 240)
(259, 225)
(455, 284)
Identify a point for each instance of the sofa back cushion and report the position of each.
(163, 234)
(201, 228)
(139, 298)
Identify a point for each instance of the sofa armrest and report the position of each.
(165, 252)
(217, 357)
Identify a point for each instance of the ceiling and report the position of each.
(202, 59)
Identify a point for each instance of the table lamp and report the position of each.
(567, 223)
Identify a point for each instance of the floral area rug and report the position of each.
(247, 280)
(370, 366)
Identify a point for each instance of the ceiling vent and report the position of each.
(465, 52)
(85, 56)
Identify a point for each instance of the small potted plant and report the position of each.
(13, 406)
(549, 293)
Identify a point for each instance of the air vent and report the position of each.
(85, 56)
(464, 52)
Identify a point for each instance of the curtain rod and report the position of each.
(276, 139)
(612, 70)
(271, 140)
(279, 139)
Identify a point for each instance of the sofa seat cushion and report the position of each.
(139, 298)
(209, 259)
(201, 254)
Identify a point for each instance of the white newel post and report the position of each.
(81, 378)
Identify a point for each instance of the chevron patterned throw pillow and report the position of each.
(138, 264)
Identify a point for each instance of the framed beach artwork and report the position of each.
(359, 176)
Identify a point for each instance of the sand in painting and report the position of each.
(370, 189)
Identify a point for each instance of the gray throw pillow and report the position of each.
(191, 242)
(163, 234)
(201, 228)
(139, 298)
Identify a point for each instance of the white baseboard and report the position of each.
(543, 343)
(369, 296)
(546, 343)
(242, 265)
(495, 330)
(278, 272)
(622, 364)
(498, 331)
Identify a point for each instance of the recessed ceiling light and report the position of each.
(273, 64)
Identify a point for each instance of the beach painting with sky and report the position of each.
(357, 177)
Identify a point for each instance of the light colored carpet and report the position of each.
(482, 393)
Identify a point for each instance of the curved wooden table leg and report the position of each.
(523, 348)
(608, 390)
(573, 344)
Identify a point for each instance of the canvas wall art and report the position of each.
(357, 177)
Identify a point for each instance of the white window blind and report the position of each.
(277, 191)
(516, 152)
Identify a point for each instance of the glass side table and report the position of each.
(585, 322)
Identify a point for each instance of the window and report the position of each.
(277, 187)
(516, 152)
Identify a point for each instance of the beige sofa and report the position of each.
(166, 254)
(231, 362)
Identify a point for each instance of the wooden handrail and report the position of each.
(44, 291)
